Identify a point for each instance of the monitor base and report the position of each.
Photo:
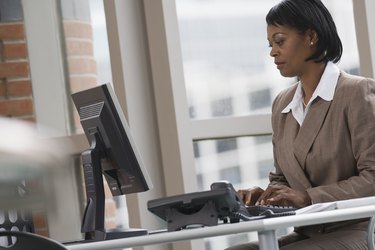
(111, 234)
(119, 233)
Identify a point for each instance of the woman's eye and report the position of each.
(279, 43)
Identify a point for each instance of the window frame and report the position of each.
(365, 23)
(43, 33)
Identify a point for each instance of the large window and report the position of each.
(228, 73)
(226, 56)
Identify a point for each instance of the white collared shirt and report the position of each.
(325, 90)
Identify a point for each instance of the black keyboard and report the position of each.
(270, 210)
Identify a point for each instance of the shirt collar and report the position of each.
(296, 101)
(325, 89)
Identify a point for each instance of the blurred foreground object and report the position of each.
(27, 161)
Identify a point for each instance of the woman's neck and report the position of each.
(310, 79)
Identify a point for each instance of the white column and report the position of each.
(365, 26)
(44, 42)
(132, 81)
(171, 102)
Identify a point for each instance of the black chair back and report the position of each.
(30, 241)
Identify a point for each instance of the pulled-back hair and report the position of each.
(309, 14)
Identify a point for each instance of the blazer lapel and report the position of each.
(291, 168)
(309, 129)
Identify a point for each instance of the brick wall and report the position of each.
(15, 84)
(80, 57)
(16, 99)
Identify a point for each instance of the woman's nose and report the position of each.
(273, 52)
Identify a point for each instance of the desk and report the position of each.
(266, 229)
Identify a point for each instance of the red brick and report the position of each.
(17, 107)
(79, 47)
(39, 220)
(11, 31)
(110, 208)
(82, 65)
(81, 82)
(29, 118)
(19, 88)
(107, 191)
(110, 213)
(2, 90)
(14, 50)
(77, 123)
(14, 69)
(40, 223)
(42, 232)
(77, 29)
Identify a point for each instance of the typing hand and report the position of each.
(284, 196)
(250, 196)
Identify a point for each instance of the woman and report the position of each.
(323, 127)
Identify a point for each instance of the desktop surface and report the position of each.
(265, 227)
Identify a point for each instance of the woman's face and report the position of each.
(289, 48)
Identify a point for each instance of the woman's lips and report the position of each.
(279, 65)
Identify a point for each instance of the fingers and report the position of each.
(250, 196)
(284, 196)
(274, 195)
(244, 195)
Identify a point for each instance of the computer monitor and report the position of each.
(112, 153)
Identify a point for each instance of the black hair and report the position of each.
(309, 14)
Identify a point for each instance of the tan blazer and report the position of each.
(332, 155)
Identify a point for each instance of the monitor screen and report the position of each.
(112, 154)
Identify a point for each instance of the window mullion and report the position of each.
(231, 127)
(44, 41)
(365, 24)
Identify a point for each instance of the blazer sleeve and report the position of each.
(276, 176)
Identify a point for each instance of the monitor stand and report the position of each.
(93, 218)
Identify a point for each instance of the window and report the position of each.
(231, 174)
(64, 29)
(241, 159)
(227, 69)
(222, 107)
(226, 55)
(226, 145)
(260, 99)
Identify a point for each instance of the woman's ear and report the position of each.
(313, 36)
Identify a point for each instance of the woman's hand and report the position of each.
(250, 196)
(284, 196)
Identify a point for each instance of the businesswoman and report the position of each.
(323, 127)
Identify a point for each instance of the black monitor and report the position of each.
(112, 153)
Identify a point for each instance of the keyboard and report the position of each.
(270, 210)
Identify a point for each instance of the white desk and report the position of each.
(266, 229)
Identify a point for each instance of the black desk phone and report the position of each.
(207, 208)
